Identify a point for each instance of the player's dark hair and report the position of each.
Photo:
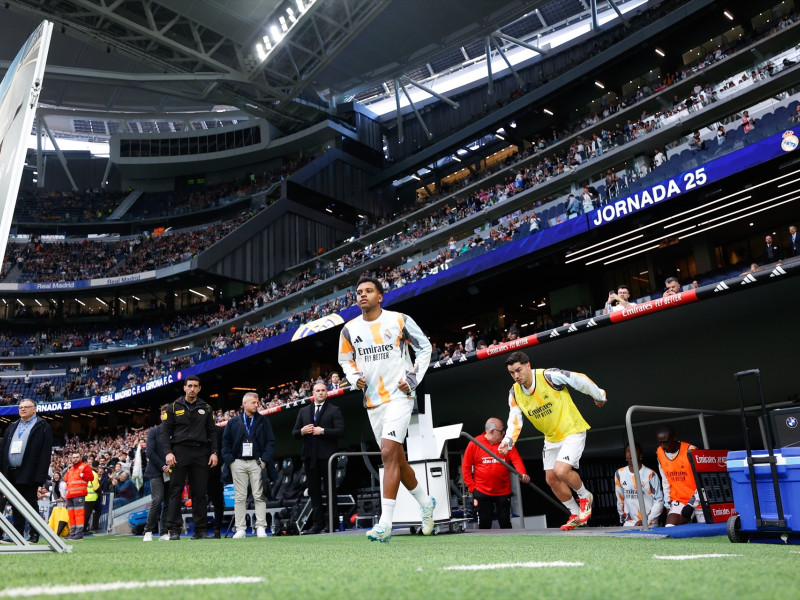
(192, 378)
(636, 446)
(373, 280)
(518, 357)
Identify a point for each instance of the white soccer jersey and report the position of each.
(628, 499)
(379, 351)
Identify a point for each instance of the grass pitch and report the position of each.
(349, 567)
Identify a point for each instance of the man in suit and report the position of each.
(247, 445)
(25, 459)
(157, 472)
(319, 425)
(335, 383)
(772, 252)
(794, 240)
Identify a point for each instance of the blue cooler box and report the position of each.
(788, 466)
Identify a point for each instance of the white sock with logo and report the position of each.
(572, 506)
(420, 495)
(387, 512)
(582, 492)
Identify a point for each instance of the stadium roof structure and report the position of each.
(288, 61)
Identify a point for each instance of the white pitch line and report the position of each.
(55, 590)
(693, 556)
(524, 565)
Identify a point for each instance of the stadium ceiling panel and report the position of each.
(184, 55)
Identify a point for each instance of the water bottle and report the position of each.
(341, 523)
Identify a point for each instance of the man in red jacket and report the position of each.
(76, 478)
(488, 480)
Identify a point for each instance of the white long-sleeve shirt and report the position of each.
(379, 351)
(628, 499)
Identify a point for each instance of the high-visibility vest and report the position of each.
(76, 478)
(92, 487)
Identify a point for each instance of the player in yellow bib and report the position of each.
(543, 397)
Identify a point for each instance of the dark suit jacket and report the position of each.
(36, 460)
(794, 248)
(320, 447)
(777, 253)
(156, 458)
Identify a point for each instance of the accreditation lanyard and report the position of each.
(247, 447)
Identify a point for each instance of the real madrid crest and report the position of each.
(201, 411)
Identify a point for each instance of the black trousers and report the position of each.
(490, 504)
(216, 493)
(317, 478)
(192, 462)
(28, 492)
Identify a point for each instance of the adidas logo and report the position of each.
(721, 287)
(463, 358)
(591, 323)
(748, 279)
(777, 272)
(358, 340)
(572, 328)
(436, 365)
(554, 333)
(564, 458)
(449, 361)
(391, 434)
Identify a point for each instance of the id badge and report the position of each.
(16, 446)
(247, 449)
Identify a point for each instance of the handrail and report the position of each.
(663, 409)
(535, 488)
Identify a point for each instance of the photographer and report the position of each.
(618, 300)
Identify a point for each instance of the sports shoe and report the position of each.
(261, 532)
(379, 533)
(174, 536)
(148, 537)
(164, 538)
(240, 535)
(586, 508)
(427, 516)
(573, 522)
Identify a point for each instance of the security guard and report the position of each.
(188, 439)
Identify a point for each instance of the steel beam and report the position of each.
(519, 42)
(520, 83)
(619, 13)
(425, 88)
(489, 65)
(61, 158)
(416, 112)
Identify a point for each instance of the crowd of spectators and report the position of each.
(81, 207)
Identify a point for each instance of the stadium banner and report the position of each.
(652, 306)
(19, 96)
(692, 179)
(132, 278)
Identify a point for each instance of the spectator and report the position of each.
(618, 300)
(794, 241)
(747, 122)
(673, 286)
(659, 159)
(336, 382)
(722, 135)
(124, 490)
(771, 252)
(573, 207)
(247, 447)
(795, 118)
(680, 489)
(627, 497)
(487, 479)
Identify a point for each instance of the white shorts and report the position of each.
(675, 508)
(391, 420)
(569, 450)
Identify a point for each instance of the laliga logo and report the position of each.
(789, 141)
(317, 326)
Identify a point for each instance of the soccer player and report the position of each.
(542, 395)
(627, 497)
(374, 355)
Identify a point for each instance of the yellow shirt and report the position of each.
(548, 404)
